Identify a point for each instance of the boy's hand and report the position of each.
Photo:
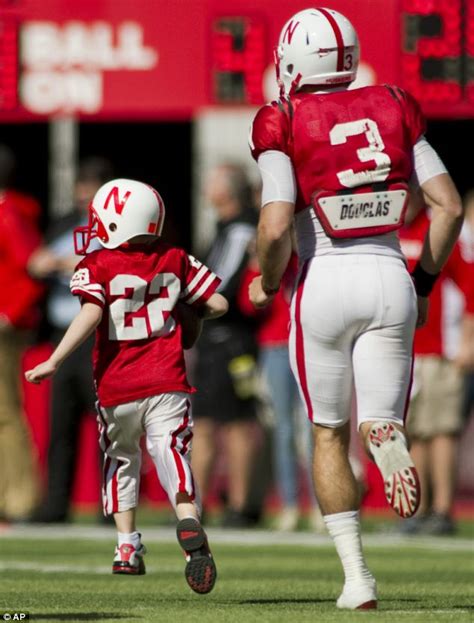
(42, 371)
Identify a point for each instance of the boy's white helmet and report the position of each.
(316, 46)
(122, 209)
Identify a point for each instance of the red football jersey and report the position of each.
(342, 140)
(138, 351)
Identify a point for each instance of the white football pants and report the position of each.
(353, 319)
(166, 421)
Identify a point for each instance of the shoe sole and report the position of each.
(128, 569)
(401, 482)
(368, 605)
(200, 571)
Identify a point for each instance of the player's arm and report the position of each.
(215, 306)
(441, 196)
(192, 318)
(79, 330)
(274, 234)
(439, 193)
(274, 247)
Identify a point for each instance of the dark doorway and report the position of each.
(454, 140)
(29, 143)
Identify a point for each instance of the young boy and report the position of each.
(131, 291)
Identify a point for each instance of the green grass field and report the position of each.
(69, 579)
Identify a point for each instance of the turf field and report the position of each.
(63, 574)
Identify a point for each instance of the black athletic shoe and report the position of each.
(200, 571)
(438, 524)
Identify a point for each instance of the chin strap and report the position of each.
(295, 84)
(280, 83)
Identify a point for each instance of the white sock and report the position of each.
(132, 538)
(344, 529)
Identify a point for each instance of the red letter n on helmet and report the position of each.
(118, 205)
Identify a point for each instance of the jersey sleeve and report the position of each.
(412, 114)
(270, 130)
(199, 282)
(86, 284)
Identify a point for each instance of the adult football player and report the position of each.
(130, 291)
(337, 163)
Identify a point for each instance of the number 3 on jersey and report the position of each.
(374, 151)
(151, 321)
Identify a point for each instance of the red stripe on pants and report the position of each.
(176, 455)
(300, 361)
(104, 483)
(115, 488)
(410, 384)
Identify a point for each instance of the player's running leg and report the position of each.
(386, 444)
(337, 492)
(168, 425)
(129, 552)
(322, 334)
(200, 571)
(382, 360)
(120, 432)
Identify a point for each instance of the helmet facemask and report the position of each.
(83, 236)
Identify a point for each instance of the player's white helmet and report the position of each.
(121, 209)
(316, 46)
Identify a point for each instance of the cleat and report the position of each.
(360, 596)
(390, 453)
(128, 560)
(200, 571)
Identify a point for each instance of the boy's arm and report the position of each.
(79, 330)
(192, 318)
(215, 306)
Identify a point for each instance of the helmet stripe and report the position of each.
(338, 35)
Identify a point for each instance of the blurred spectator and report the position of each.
(19, 296)
(435, 420)
(226, 352)
(272, 337)
(72, 392)
(467, 247)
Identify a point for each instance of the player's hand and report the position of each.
(423, 308)
(257, 295)
(41, 372)
(42, 263)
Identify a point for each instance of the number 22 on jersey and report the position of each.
(148, 303)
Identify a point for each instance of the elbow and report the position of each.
(454, 211)
(274, 231)
(222, 306)
(452, 206)
(216, 306)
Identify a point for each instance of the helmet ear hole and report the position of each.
(289, 68)
(113, 227)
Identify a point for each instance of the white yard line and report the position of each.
(73, 568)
(232, 537)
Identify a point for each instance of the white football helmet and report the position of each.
(120, 210)
(316, 46)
